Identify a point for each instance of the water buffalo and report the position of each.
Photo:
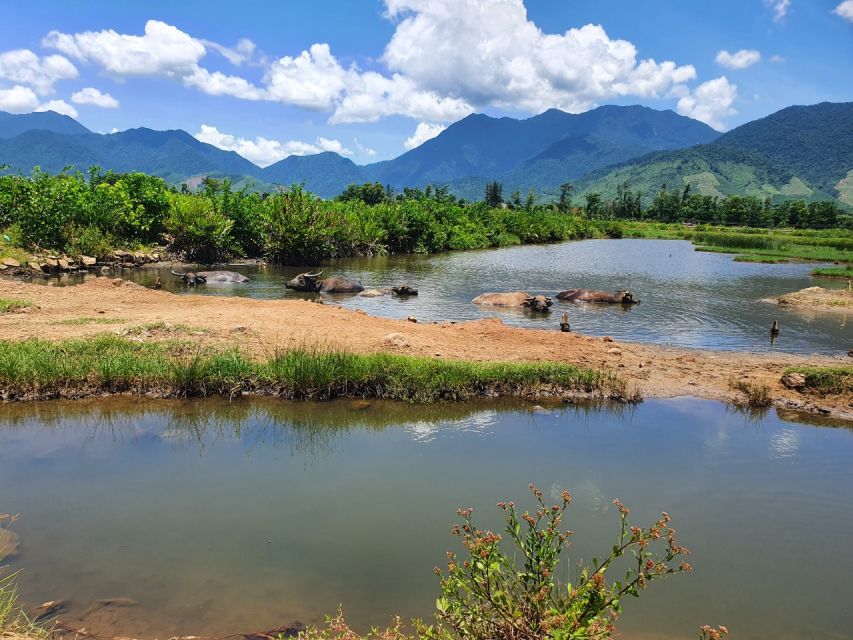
(190, 278)
(311, 282)
(201, 277)
(404, 290)
(515, 299)
(588, 295)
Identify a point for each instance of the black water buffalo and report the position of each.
(515, 299)
(191, 279)
(311, 282)
(588, 295)
(404, 291)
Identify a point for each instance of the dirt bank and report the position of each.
(819, 299)
(261, 327)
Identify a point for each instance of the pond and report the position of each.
(221, 518)
(689, 298)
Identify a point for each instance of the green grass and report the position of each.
(833, 272)
(9, 305)
(761, 259)
(826, 380)
(110, 364)
(78, 322)
(761, 245)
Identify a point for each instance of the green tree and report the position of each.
(565, 203)
(494, 194)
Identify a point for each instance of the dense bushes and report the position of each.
(90, 215)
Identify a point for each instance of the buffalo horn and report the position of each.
(314, 275)
(180, 275)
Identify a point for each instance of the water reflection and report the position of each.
(223, 517)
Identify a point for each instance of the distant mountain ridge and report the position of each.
(797, 152)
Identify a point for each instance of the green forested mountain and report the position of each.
(799, 152)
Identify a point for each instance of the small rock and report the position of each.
(412, 319)
(794, 380)
(11, 262)
(607, 339)
(396, 340)
(850, 353)
(47, 609)
(106, 269)
(117, 602)
(238, 329)
(615, 351)
(63, 264)
(88, 261)
(3, 267)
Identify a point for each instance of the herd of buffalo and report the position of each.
(314, 283)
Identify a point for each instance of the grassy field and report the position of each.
(754, 245)
(111, 364)
(8, 305)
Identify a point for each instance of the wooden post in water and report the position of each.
(774, 330)
(564, 324)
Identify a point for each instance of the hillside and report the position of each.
(12, 125)
(799, 152)
(815, 142)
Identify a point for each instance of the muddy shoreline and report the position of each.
(261, 328)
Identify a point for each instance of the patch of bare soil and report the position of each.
(819, 299)
(262, 327)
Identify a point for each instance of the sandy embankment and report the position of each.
(819, 299)
(261, 327)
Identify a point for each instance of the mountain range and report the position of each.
(804, 152)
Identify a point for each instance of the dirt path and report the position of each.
(261, 327)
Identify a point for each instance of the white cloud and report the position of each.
(25, 67)
(59, 106)
(487, 52)
(362, 149)
(92, 96)
(740, 59)
(776, 59)
(778, 7)
(312, 80)
(18, 99)
(710, 102)
(423, 132)
(263, 151)
(241, 53)
(845, 10)
(162, 50)
(506, 61)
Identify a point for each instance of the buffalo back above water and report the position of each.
(514, 299)
(222, 276)
(604, 297)
(311, 282)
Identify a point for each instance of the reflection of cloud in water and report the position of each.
(591, 495)
(785, 443)
(427, 430)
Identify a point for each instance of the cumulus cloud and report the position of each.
(18, 99)
(779, 8)
(845, 10)
(740, 59)
(507, 61)
(263, 151)
(24, 67)
(423, 132)
(92, 96)
(161, 50)
(59, 106)
(710, 102)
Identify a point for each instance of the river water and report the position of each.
(689, 298)
(221, 518)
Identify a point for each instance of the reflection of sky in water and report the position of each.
(427, 431)
(785, 443)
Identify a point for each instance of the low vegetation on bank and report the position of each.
(10, 305)
(833, 272)
(821, 380)
(105, 364)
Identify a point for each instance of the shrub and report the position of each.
(198, 231)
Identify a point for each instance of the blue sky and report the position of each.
(371, 78)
